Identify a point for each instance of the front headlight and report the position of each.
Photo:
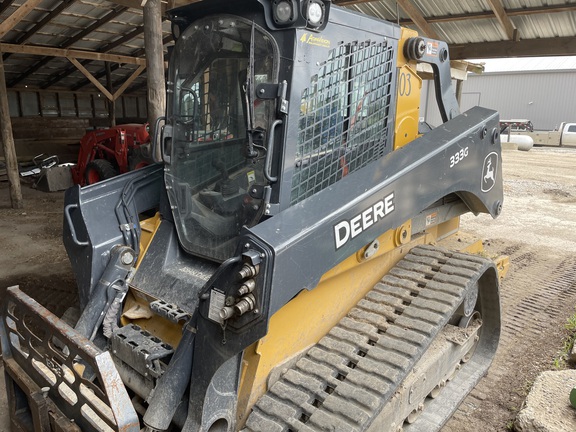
(315, 13)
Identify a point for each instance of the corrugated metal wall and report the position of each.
(546, 98)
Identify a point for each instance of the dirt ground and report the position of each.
(536, 230)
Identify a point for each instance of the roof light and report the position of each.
(315, 12)
(284, 11)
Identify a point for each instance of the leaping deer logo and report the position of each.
(489, 172)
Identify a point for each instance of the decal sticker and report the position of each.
(458, 156)
(405, 84)
(431, 219)
(489, 172)
(251, 177)
(217, 303)
(312, 39)
(432, 49)
(348, 229)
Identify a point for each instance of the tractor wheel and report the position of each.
(98, 170)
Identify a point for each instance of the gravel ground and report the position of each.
(536, 229)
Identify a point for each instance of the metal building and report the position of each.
(540, 91)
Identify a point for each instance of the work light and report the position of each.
(315, 12)
(284, 11)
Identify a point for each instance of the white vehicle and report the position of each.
(565, 135)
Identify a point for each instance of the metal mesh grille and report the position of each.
(344, 116)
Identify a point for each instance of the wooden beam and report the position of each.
(59, 75)
(129, 81)
(8, 144)
(136, 53)
(35, 67)
(5, 5)
(38, 26)
(178, 3)
(165, 4)
(69, 42)
(70, 53)
(93, 80)
(136, 87)
(109, 16)
(45, 20)
(122, 40)
(559, 46)
(97, 75)
(111, 103)
(536, 10)
(504, 19)
(136, 4)
(9, 23)
(416, 16)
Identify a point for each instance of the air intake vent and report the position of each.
(344, 116)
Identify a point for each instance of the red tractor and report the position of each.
(105, 153)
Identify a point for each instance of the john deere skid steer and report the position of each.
(285, 266)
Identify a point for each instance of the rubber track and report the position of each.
(344, 381)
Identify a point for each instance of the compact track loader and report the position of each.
(283, 267)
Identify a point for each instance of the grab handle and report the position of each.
(270, 150)
(71, 225)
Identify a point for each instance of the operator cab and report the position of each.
(265, 110)
(217, 152)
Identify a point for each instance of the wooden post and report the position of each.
(156, 95)
(8, 144)
(111, 103)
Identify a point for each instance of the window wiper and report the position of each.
(250, 96)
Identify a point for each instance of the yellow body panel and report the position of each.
(136, 306)
(148, 228)
(409, 86)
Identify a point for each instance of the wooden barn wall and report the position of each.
(53, 122)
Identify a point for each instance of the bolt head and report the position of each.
(420, 48)
(127, 258)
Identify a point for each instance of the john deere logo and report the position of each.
(489, 172)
